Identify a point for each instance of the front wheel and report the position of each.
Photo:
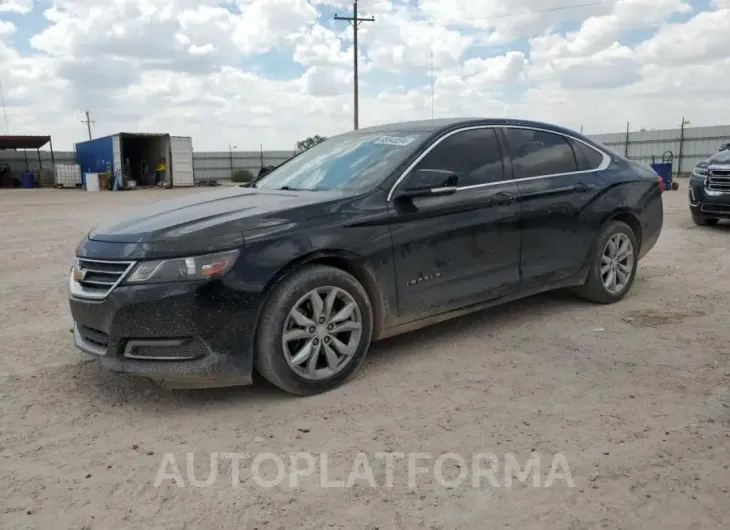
(703, 221)
(613, 266)
(314, 331)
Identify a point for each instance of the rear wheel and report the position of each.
(314, 331)
(703, 221)
(613, 267)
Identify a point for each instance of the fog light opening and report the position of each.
(183, 349)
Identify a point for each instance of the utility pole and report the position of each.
(88, 121)
(681, 145)
(432, 81)
(230, 156)
(5, 112)
(355, 22)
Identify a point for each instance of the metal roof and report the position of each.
(23, 142)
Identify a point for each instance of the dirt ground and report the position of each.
(634, 395)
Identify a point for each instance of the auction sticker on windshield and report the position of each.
(400, 141)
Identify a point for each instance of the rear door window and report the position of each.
(536, 153)
(588, 158)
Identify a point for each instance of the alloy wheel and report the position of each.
(617, 263)
(322, 333)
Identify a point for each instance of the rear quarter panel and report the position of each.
(631, 190)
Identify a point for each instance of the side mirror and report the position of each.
(429, 183)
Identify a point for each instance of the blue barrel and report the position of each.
(27, 180)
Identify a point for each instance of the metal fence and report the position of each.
(221, 165)
(689, 145)
(206, 165)
(20, 161)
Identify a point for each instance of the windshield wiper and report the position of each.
(289, 188)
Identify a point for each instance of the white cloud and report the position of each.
(16, 6)
(493, 70)
(194, 67)
(6, 29)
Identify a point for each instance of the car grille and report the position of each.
(97, 278)
(718, 179)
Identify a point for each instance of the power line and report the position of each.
(88, 121)
(355, 22)
(528, 12)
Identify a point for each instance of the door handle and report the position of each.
(502, 199)
(583, 187)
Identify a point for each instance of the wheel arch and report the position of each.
(348, 262)
(623, 215)
(632, 220)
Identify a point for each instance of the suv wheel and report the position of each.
(703, 221)
(314, 331)
(613, 267)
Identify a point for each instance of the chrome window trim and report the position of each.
(77, 290)
(603, 165)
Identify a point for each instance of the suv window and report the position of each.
(535, 153)
(475, 155)
(588, 158)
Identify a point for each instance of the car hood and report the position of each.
(723, 157)
(221, 214)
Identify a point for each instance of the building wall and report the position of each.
(698, 144)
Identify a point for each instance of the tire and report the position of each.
(675, 186)
(275, 356)
(703, 221)
(594, 288)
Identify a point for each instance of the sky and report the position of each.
(253, 73)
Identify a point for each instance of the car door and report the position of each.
(454, 250)
(557, 177)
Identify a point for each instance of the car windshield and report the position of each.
(352, 161)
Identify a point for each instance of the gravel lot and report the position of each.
(635, 396)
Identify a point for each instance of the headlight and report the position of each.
(204, 267)
(699, 170)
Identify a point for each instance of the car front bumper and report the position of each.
(182, 335)
(707, 204)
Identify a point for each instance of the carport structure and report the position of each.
(12, 165)
(26, 143)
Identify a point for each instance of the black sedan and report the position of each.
(369, 234)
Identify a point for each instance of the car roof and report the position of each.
(430, 126)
